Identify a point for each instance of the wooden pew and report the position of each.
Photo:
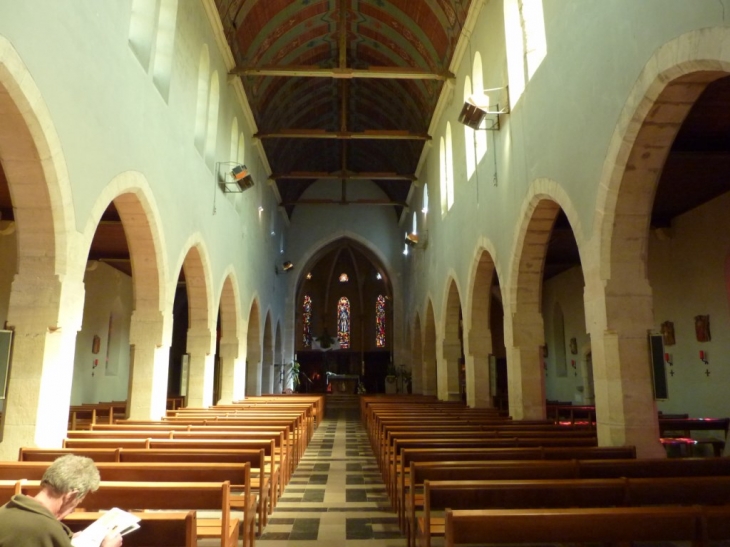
(561, 493)
(260, 480)
(411, 455)
(176, 496)
(394, 466)
(421, 471)
(8, 488)
(272, 467)
(238, 475)
(618, 525)
(177, 529)
(676, 428)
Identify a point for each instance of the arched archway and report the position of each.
(451, 376)
(231, 383)
(200, 343)
(640, 156)
(430, 382)
(486, 305)
(417, 357)
(267, 363)
(253, 351)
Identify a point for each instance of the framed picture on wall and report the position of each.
(6, 340)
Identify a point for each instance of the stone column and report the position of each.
(525, 373)
(477, 370)
(149, 336)
(449, 371)
(45, 316)
(201, 378)
(619, 318)
(228, 356)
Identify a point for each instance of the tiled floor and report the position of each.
(336, 496)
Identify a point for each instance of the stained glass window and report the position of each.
(380, 322)
(307, 321)
(343, 322)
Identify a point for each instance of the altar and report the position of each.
(342, 383)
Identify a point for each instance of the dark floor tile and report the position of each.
(355, 496)
(318, 479)
(353, 467)
(322, 467)
(313, 496)
(275, 520)
(358, 529)
(304, 529)
(274, 536)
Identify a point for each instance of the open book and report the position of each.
(114, 519)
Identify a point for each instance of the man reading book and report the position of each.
(35, 521)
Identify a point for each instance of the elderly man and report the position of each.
(35, 521)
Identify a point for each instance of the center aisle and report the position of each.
(336, 496)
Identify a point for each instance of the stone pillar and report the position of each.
(253, 378)
(45, 316)
(477, 370)
(228, 356)
(267, 379)
(619, 318)
(149, 337)
(449, 371)
(525, 373)
(201, 378)
(277, 378)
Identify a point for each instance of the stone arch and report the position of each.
(308, 258)
(429, 375)
(267, 362)
(478, 328)
(417, 356)
(150, 326)
(452, 348)
(232, 379)
(46, 297)
(618, 291)
(201, 323)
(524, 331)
(253, 350)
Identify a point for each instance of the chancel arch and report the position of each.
(344, 321)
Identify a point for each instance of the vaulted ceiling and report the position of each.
(343, 89)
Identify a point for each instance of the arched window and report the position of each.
(524, 24)
(241, 150)
(201, 109)
(343, 322)
(307, 321)
(164, 46)
(480, 138)
(234, 140)
(442, 175)
(424, 201)
(469, 135)
(142, 30)
(380, 321)
(212, 129)
(449, 167)
(414, 228)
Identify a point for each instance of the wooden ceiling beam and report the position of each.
(314, 71)
(307, 175)
(370, 134)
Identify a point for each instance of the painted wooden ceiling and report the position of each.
(343, 89)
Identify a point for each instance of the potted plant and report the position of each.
(293, 374)
(391, 375)
(406, 379)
